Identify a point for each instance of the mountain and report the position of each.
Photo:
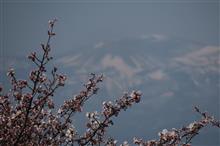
(145, 62)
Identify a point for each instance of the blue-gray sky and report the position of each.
(191, 26)
(82, 23)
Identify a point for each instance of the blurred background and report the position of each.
(167, 49)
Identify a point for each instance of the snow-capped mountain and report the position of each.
(147, 63)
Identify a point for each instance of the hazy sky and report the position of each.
(83, 23)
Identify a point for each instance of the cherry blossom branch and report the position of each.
(176, 137)
(36, 78)
(75, 105)
(97, 127)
